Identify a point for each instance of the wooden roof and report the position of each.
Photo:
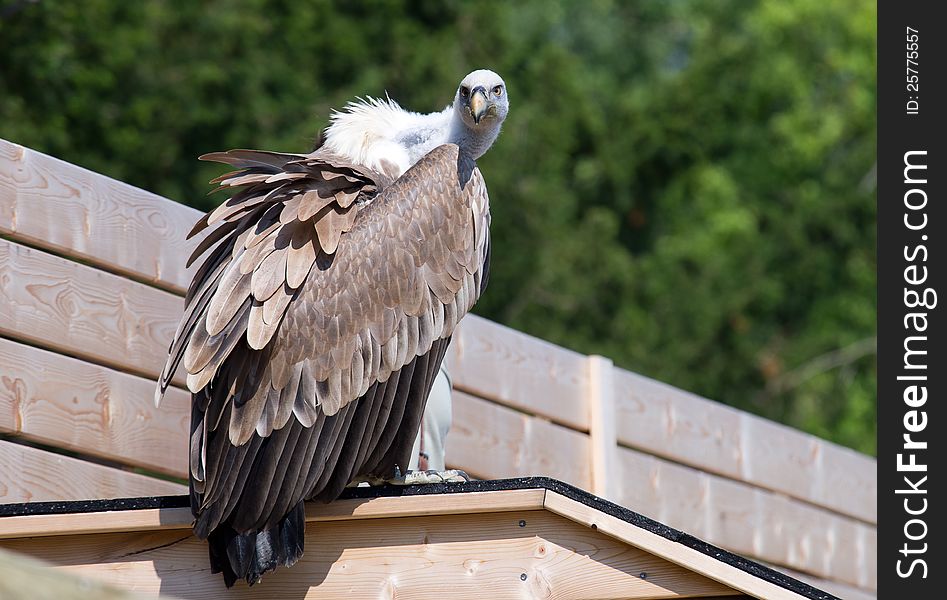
(533, 537)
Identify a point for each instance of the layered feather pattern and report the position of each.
(313, 330)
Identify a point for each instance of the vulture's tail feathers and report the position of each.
(249, 555)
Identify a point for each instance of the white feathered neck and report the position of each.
(372, 130)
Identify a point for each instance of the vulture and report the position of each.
(314, 327)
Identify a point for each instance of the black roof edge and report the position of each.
(521, 483)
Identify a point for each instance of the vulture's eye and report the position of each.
(498, 91)
(464, 91)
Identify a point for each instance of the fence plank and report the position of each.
(746, 519)
(55, 303)
(847, 592)
(668, 422)
(62, 207)
(602, 434)
(681, 426)
(33, 475)
(804, 466)
(492, 442)
(61, 401)
(521, 371)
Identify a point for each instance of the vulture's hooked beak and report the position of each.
(479, 105)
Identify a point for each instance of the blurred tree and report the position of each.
(684, 186)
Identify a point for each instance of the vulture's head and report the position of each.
(481, 100)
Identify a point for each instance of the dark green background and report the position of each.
(685, 186)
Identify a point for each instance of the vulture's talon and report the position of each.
(429, 477)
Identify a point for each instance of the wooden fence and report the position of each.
(91, 287)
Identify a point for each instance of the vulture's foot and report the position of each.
(414, 478)
(428, 477)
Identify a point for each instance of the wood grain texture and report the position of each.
(495, 362)
(492, 442)
(749, 520)
(339, 510)
(668, 422)
(58, 304)
(804, 466)
(603, 441)
(62, 207)
(52, 525)
(60, 401)
(668, 549)
(424, 505)
(846, 592)
(32, 475)
(24, 578)
(460, 556)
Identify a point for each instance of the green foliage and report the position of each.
(685, 186)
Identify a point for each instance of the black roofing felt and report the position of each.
(522, 483)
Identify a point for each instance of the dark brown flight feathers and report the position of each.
(316, 323)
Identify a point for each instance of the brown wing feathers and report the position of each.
(315, 326)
